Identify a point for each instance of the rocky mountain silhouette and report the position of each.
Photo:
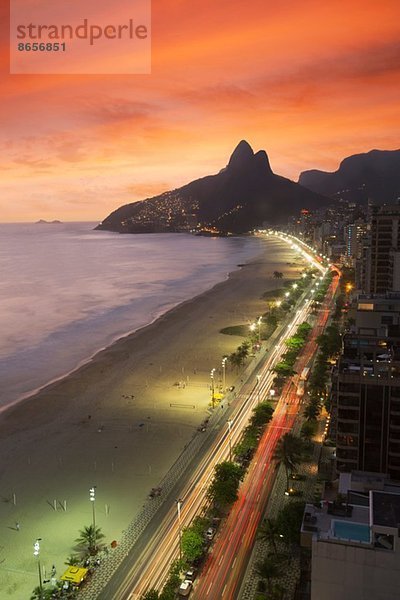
(374, 175)
(244, 195)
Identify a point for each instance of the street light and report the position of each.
(259, 321)
(212, 387)
(224, 360)
(36, 552)
(178, 506)
(230, 423)
(92, 498)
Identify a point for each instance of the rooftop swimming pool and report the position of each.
(351, 531)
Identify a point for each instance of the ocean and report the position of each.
(67, 292)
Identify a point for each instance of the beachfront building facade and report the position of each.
(382, 268)
(366, 388)
(355, 543)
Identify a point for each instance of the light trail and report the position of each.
(151, 570)
(237, 538)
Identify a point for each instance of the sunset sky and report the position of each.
(309, 81)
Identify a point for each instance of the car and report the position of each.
(232, 387)
(185, 588)
(190, 575)
(210, 533)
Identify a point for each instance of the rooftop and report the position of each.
(385, 509)
(338, 523)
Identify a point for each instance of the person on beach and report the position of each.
(17, 526)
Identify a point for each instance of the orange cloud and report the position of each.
(309, 81)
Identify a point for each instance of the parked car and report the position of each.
(185, 588)
(190, 575)
(210, 533)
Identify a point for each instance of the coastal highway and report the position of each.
(222, 575)
(152, 563)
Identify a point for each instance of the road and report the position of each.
(222, 575)
(151, 569)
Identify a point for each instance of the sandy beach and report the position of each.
(118, 423)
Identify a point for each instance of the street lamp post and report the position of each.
(258, 388)
(224, 373)
(92, 497)
(36, 552)
(259, 321)
(230, 423)
(212, 387)
(178, 506)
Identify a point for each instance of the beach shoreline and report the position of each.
(119, 421)
(126, 337)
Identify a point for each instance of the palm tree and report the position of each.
(42, 594)
(312, 411)
(243, 350)
(89, 539)
(269, 532)
(288, 452)
(308, 430)
(268, 569)
(73, 560)
(236, 360)
(150, 595)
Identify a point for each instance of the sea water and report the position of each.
(67, 291)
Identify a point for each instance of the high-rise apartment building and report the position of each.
(355, 542)
(384, 256)
(366, 388)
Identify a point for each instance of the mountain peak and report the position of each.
(244, 195)
(242, 155)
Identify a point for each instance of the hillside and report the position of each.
(244, 195)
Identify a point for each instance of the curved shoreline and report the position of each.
(118, 422)
(129, 335)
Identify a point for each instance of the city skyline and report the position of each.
(311, 84)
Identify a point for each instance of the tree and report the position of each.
(278, 275)
(236, 360)
(225, 485)
(303, 330)
(89, 539)
(248, 442)
(284, 369)
(289, 522)
(262, 414)
(312, 411)
(268, 569)
(271, 320)
(169, 589)
(308, 430)
(73, 560)
(288, 452)
(192, 544)
(269, 532)
(42, 594)
(330, 342)
(150, 595)
(243, 350)
(294, 343)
